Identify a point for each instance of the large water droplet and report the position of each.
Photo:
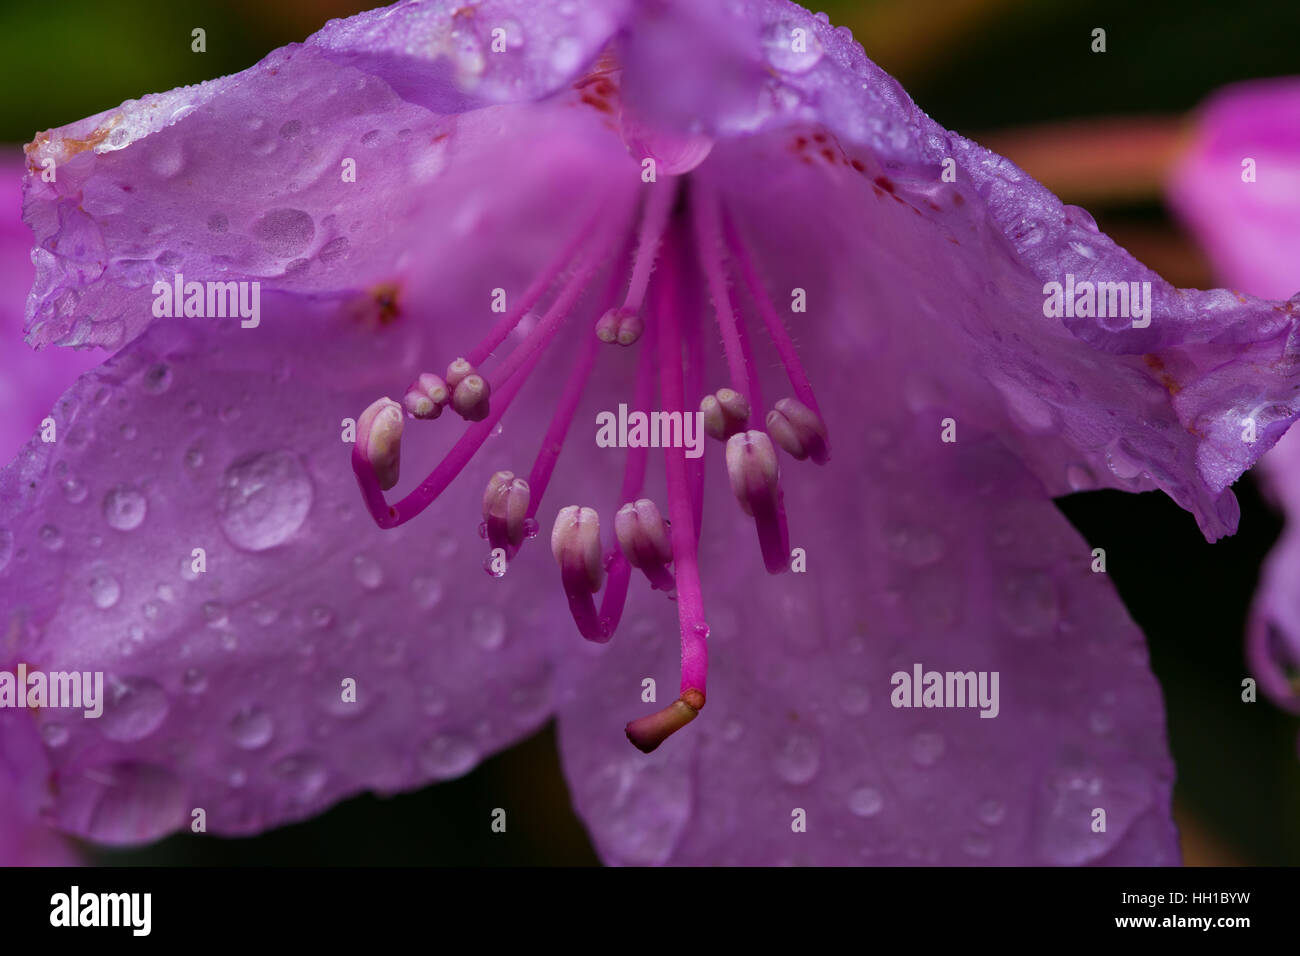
(487, 628)
(367, 571)
(798, 758)
(104, 591)
(791, 48)
(135, 708)
(1028, 603)
(447, 756)
(252, 728)
(927, 747)
(124, 508)
(303, 774)
(285, 232)
(866, 801)
(127, 803)
(992, 812)
(264, 499)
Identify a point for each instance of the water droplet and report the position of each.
(252, 728)
(791, 49)
(566, 54)
(334, 249)
(304, 774)
(104, 591)
(1101, 722)
(446, 756)
(215, 614)
(265, 498)
(371, 138)
(487, 628)
(426, 591)
(124, 508)
(866, 802)
(1122, 460)
(75, 490)
(194, 681)
(798, 758)
(1028, 603)
(285, 232)
(124, 804)
(367, 571)
(914, 546)
(51, 537)
(1080, 478)
(194, 457)
(6, 547)
(157, 379)
(54, 735)
(992, 812)
(321, 617)
(977, 845)
(927, 748)
(433, 702)
(135, 708)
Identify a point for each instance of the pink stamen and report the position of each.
(776, 329)
(708, 240)
(657, 209)
(690, 597)
(541, 282)
(523, 360)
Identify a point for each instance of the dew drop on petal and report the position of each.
(6, 547)
(926, 748)
(866, 801)
(487, 628)
(264, 499)
(74, 489)
(791, 49)
(303, 774)
(367, 571)
(992, 812)
(285, 232)
(798, 758)
(124, 508)
(252, 728)
(446, 756)
(104, 591)
(51, 537)
(127, 803)
(135, 708)
(194, 681)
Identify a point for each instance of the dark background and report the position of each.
(994, 70)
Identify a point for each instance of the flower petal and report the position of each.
(950, 557)
(228, 683)
(1238, 185)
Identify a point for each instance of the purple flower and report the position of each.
(854, 299)
(1238, 187)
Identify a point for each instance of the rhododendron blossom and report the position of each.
(302, 551)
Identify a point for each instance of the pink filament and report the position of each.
(690, 598)
(775, 327)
